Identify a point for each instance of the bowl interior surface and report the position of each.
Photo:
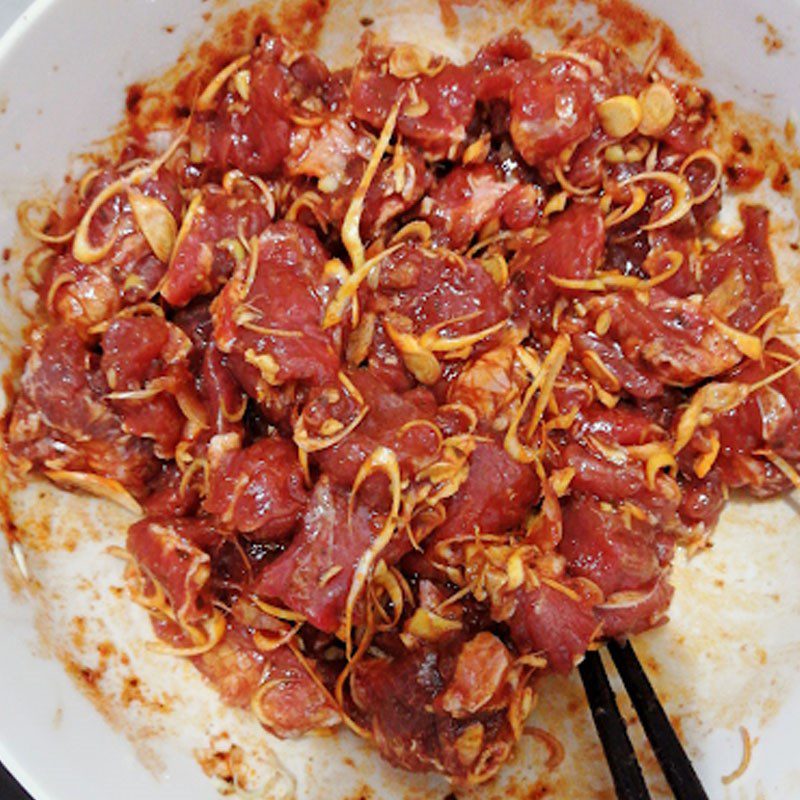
(64, 67)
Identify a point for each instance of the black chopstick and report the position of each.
(620, 755)
(9, 788)
(675, 764)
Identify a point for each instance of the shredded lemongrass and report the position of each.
(570, 188)
(778, 312)
(462, 408)
(559, 587)
(82, 248)
(206, 99)
(285, 614)
(429, 626)
(620, 215)
(554, 747)
(235, 176)
(432, 341)
(350, 387)
(712, 158)
(424, 423)
(311, 444)
(556, 204)
(19, 559)
(267, 644)
(628, 598)
(306, 121)
(551, 368)
(157, 603)
(64, 279)
(746, 343)
(186, 223)
(151, 390)
(747, 753)
(330, 574)
(145, 308)
(657, 462)
(97, 485)
(416, 229)
(782, 464)
(419, 361)
(775, 376)
(312, 673)
(384, 460)
(309, 200)
(233, 416)
(510, 239)
(603, 281)
(709, 399)
(386, 579)
(278, 333)
(336, 307)
(705, 461)
(196, 466)
(597, 368)
(252, 268)
(210, 636)
(36, 265)
(592, 64)
(680, 190)
(24, 219)
(543, 382)
(86, 181)
(410, 60)
(341, 681)
(351, 234)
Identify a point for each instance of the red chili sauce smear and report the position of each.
(419, 372)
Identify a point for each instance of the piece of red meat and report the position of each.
(599, 545)
(496, 496)
(746, 264)
(222, 395)
(573, 249)
(257, 490)
(409, 705)
(289, 702)
(673, 339)
(626, 616)
(175, 552)
(435, 121)
(552, 108)
(388, 413)
(253, 136)
(553, 623)
(60, 420)
(86, 295)
(765, 420)
(431, 289)
(201, 263)
(293, 703)
(465, 200)
(149, 353)
(313, 575)
(270, 321)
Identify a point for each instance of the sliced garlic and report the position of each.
(658, 109)
(620, 115)
(156, 223)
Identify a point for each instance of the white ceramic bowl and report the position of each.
(63, 70)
